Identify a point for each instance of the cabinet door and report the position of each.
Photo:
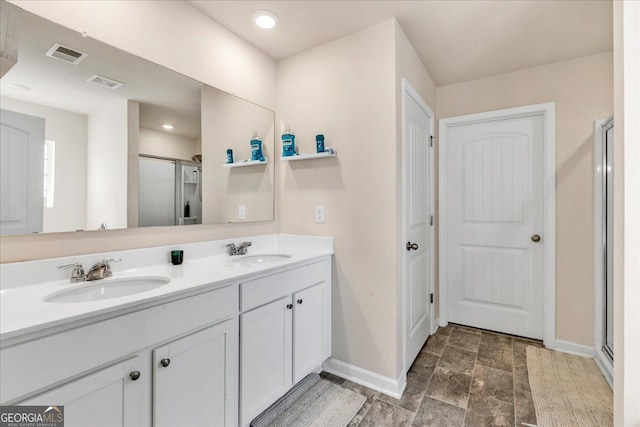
(195, 378)
(311, 329)
(265, 356)
(109, 397)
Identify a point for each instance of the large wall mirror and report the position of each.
(96, 138)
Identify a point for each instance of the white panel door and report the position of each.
(265, 356)
(22, 173)
(311, 323)
(106, 398)
(418, 248)
(193, 380)
(495, 215)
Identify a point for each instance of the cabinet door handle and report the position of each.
(289, 306)
(165, 362)
(134, 375)
(300, 301)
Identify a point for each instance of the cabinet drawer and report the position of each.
(38, 364)
(260, 291)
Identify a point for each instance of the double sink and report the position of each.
(105, 289)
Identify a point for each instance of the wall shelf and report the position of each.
(309, 156)
(244, 164)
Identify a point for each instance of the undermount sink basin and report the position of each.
(261, 259)
(100, 290)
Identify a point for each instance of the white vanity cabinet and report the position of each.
(168, 365)
(108, 397)
(193, 379)
(285, 333)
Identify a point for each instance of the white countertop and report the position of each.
(23, 310)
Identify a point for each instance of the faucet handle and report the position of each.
(77, 275)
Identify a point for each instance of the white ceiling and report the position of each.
(456, 40)
(164, 95)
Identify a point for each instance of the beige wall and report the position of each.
(163, 144)
(350, 90)
(583, 92)
(204, 51)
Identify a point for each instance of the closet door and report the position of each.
(156, 193)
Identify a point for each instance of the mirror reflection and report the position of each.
(96, 138)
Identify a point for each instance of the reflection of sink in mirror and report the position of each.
(107, 289)
(92, 126)
(261, 259)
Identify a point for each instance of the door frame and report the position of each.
(409, 91)
(548, 113)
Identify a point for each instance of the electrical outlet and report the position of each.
(242, 212)
(319, 216)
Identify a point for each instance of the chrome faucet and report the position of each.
(77, 274)
(241, 249)
(99, 270)
(102, 269)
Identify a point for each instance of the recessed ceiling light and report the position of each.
(265, 19)
(17, 86)
(167, 127)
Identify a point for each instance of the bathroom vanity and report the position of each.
(218, 343)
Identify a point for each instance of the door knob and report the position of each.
(535, 238)
(134, 375)
(165, 362)
(413, 246)
(289, 306)
(300, 301)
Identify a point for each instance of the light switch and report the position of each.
(319, 216)
(242, 212)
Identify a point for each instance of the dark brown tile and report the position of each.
(333, 378)
(496, 357)
(385, 414)
(446, 330)
(435, 344)
(490, 382)
(464, 340)
(413, 393)
(495, 340)
(467, 329)
(524, 409)
(457, 359)
(520, 347)
(485, 411)
(450, 387)
(424, 364)
(433, 413)
(371, 395)
(519, 359)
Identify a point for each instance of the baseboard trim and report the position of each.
(605, 366)
(372, 380)
(573, 348)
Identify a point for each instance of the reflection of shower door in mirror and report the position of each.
(607, 237)
(156, 192)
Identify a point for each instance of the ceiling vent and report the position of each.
(105, 82)
(66, 54)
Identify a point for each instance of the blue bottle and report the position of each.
(320, 143)
(288, 144)
(229, 155)
(256, 148)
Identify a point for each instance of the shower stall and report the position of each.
(166, 186)
(604, 205)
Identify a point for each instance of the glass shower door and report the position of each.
(607, 238)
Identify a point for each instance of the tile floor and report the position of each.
(461, 377)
